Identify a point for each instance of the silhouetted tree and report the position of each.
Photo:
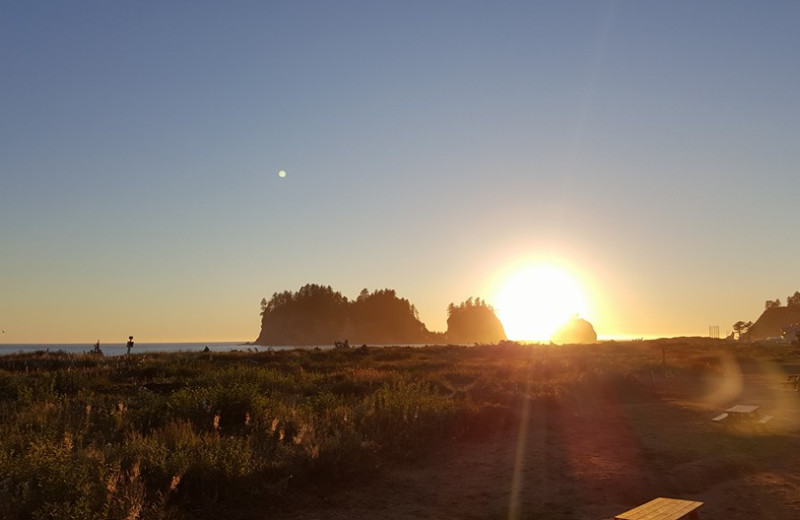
(473, 321)
(381, 317)
(317, 315)
(794, 300)
(772, 303)
(741, 327)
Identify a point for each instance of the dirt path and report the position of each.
(600, 456)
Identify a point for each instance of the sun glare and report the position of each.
(534, 302)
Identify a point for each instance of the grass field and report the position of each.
(507, 431)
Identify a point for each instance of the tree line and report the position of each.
(791, 301)
(318, 315)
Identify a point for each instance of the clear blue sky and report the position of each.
(652, 147)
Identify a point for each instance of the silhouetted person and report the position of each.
(130, 344)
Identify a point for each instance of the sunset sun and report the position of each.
(535, 301)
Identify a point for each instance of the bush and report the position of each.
(404, 417)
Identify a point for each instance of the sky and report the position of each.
(431, 147)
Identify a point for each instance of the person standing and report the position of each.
(130, 344)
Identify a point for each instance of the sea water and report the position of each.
(117, 349)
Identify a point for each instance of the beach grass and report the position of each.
(196, 435)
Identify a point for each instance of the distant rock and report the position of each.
(318, 315)
(473, 321)
(576, 330)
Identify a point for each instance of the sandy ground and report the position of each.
(605, 453)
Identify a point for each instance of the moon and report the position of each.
(282, 174)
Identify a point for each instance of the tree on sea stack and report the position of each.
(314, 315)
(473, 321)
(318, 315)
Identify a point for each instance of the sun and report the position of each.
(534, 302)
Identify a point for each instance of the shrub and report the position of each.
(404, 416)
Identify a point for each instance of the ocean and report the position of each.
(117, 349)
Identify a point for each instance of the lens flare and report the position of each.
(535, 301)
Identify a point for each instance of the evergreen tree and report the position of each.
(473, 321)
(318, 315)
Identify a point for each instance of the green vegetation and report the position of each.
(215, 435)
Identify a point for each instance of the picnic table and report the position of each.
(663, 509)
(743, 410)
(744, 414)
(791, 382)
